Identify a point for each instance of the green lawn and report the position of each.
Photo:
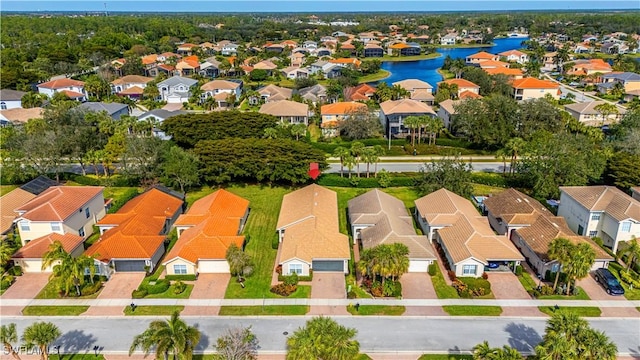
(446, 74)
(376, 310)
(170, 293)
(481, 189)
(443, 290)
(380, 75)
(363, 357)
(315, 132)
(387, 57)
(152, 310)
(50, 291)
(266, 310)
(445, 357)
(471, 310)
(529, 284)
(630, 294)
(6, 188)
(585, 311)
(54, 310)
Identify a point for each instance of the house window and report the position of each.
(469, 269)
(24, 226)
(81, 232)
(295, 268)
(593, 233)
(595, 216)
(179, 269)
(626, 226)
(87, 212)
(55, 227)
(3, 105)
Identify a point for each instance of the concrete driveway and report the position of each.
(208, 286)
(27, 286)
(505, 285)
(597, 292)
(419, 286)
(121, 285)
(328, 286)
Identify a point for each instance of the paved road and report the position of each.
(376, 334)
(416, 166)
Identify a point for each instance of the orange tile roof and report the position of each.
(533, 83)
(57, 203)
(149, 59)
(132, 79)
(511, 52)
(505, 71)
(349, 46)
(167, 67)
(214, 223)
(36, 248)
(134, 90)
(462, 83)
(138, 227)
(61, 83)
(10, 201)
(341, 108)
(482, 55)
(353, 61)
(469, 95)
(493, 63)
(399, 46)
(72, 94)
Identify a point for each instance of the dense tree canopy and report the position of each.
(453, 174)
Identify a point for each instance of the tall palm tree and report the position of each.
(379, 152)
(356, 150)
(323, 338)
(412, 122)
(41, 334)
(433, 126)
(299, 130)
(514, 148)
(580, 262)
(369, 156)
(9, 336)
(596, 345)
(172, 336)
(632, 251)
(68, 270)
(349, 161)
(555, 347)
(341, 152)
(559, 250)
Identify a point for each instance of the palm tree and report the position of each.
(356, 150)
(555, 347)
(369, 156)
(514, 148)
(433, 126)
(341, 152)
(596, 345)
(349, 161)
(632, 251)
(501, 155)
(412, 122)
(379, 152)
(5, 253)
(171, 336)
(270, 133)
(41, 334)
(483, 351)
(323, 338)
(580, 262)
(559, 250)
(67, 270)
(605, 110)
(9, 335)
(299, 130)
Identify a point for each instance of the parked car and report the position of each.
(609, 282)
(573, 83)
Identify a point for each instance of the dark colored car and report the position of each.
(609, 282)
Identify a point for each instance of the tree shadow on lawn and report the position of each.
(75, 341)
(523, 338)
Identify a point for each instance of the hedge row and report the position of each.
(363, 182)
(115, 180)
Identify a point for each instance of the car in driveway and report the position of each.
(609, 282)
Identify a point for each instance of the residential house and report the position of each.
(221, 90)
(600, 211)
(61, 209)
(635, 192)
(404, 49)
(266, 65)
(11, 99)
(309, 234)
(30, 257)
(316, 93)
(532, 88)
(132, 239)
(514, 74)
(205, 233)
(419, 90)
(447, 111)
(271, 93)
(326, 69)
(589, 67)
(347, 46)
(294, 72)
(168, 56)
(74, 89)
(176, 89)
(463, 85)
(378, 218)
(186, 49)
(393, 113)
(614, 47)
(210, 68)
(346, 62)
(275, 48)
(154, 70)
(114, 110)
(515, 56)
(18, 116)
(492, 64)
(365, 37)
(229, 49)
(587, 114)
(373, 50)
(297, 59)
(477, 58)
(311, 45)
(532, 228)
(582, 49)
(629, 80)
(290, 112)
(469, 95)
(362, 92)
(332, 114)
(188, 66)
(449, 39)
(463, 237)
(8, 202)
(157, 117)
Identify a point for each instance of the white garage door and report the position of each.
(418, 266)
(213, 267)
(598, 265)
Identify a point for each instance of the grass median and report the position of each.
(152, 310)
(472, 310)
(54, 310)
(445, 357)
(383, 310)
(585, 311)
(263, 310)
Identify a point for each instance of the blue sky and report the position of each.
(310, 5)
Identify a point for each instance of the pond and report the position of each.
(426, 70)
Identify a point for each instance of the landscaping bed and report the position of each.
(88, 290)
(629, 293)
(531, 286)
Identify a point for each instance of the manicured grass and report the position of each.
(630, 294)
(481, 189)
(152, 310)
(410, 58)
(50, 291)
(445, 357)
(380, 75)
(470, 310)
(54, 310)
(585, 311)
(360, 292)
(266, 310)
(314, 132)
(170, 293)
(446, 74)
(4, 189)
(443, 290)
(582, 295)
(527, 281)
(376, 310)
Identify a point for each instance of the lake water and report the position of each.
(426, 70)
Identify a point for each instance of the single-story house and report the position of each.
(115, 110)
(462, 236)
(378, 218)
(29, 257)
(309, 234)
(290, 112)
(316, 93)
(272, 93)
(11, 99)
(20, 116)
(205, 232)
(587, 114)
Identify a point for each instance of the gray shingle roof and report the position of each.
(177, 80)
(11, 95)
(110, 108)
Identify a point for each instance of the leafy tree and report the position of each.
(238, 260)
(454, 174)
(360, 124)
(536, 115)
(142, 157)
(68, 271)
(180, 167)
(237, 344)
(300, 83)
(172, 336)
(97, 87)
(258, 75)
(632, 251)
(41, 334)
(298, 130)
(323, 338)
(488, 122)
(623, 170)
(132, 66)
(32, 99)
(560, 251)
(9, 336)
(6, 251)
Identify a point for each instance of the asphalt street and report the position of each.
(375, 334)
(416, 166)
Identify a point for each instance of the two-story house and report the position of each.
(587, 113)
(271, 93)
(477, 58)
(74, 89)
(394, 112)
(176, 89)
(419, 90)
(463, 85)
(629, 80)
(449, 39)
(515, 56)
(130, 85)
(532, 88)
(229, 49)
(289, 112)
(11, 99)
(221, 90)
(600, 211)
(332, 114)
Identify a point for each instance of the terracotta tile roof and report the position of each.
(60, 83)
(285, 108)
(482, 55)
(134, 90)
(405, 106)
(36, 248)
(220, 84)
(309, 217)
(10, 201)
(265, 65)
(138, 227)
(505, 71)
(350, 61)
(72, 94)
(167, 67)
(361, 92)
(57, 203)
(214, 222)
(469, 95)
(341, 108)
(399, 46)
(511, 52)
(413, 84)
(493, 64)
(149, 59)
(388, 223)
(132, 79)
(462, 83)
(20, 115)
(609, 199)
(466, 233)
(347, 46)
(533, 83)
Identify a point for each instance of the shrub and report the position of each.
(291, 279)
(452, 275)
(116, 204)
(351, 295)
(159, 287)
(279, 269)
(432, 269)
(551, 276)
(139, 293)
(90, 288)
(187, 277)
(546, 290)
(472, 286)
(485, 275)
(392, 288)
(275, 242)
(16, 271)
(6, 281)
(283, 289)
(491, 179)
(519, 270)
(376, 289)
(179, 287)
